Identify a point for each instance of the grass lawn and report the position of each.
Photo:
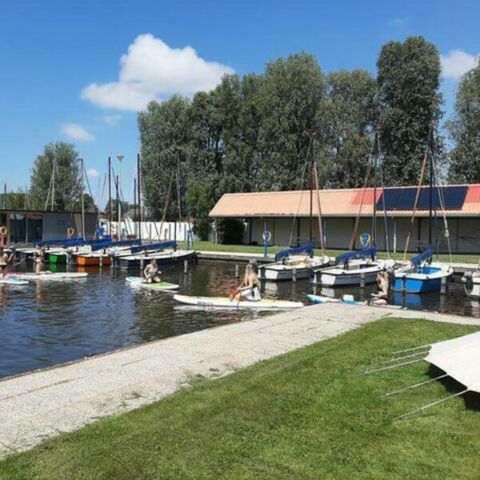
(304, 415)
(212, 247)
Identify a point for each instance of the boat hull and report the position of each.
(93, 261)
(423, 280)
(135, 261)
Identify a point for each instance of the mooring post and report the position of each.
(185, 266)
(362, 280)
(101, 260)
(294, 275)
(142, 263)
(443, 289)
(237, 270)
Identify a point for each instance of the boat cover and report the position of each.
(60, 241)
(154, 246)
(307, 248)
(353, 254)
(459, 358)
(422, 257)
(118, 243)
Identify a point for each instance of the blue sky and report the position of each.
(61, 78)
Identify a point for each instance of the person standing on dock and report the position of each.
(249, 289)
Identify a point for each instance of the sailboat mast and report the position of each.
(82, 202)
(430, 194)
(374, 220)
(320, 224)
(110, 213)
(139, 195)
(312, 162)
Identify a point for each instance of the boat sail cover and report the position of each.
(459, 358)
(155, 246)
(118, 243)
(307, 248)
(351, 255)
(61, 241)
(422, 257)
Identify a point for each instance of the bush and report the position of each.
(230, 231)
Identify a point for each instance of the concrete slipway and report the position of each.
(41, 404)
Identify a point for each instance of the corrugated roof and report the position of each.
(334, 203)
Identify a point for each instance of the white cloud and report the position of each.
(112, 119)
(152, 70)
(74, 131)
(93, 173)
(457, 62)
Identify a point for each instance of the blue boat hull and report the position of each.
(409, 285)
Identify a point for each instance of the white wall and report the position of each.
(155, 231)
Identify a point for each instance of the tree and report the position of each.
(345, 121)
(409, 105)
(123, 206)
(464, 130)
(288, 102)
(56, 172)
(88, 203)
(15, 200)
(165, 140)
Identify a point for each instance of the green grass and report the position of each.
(212, 247)
(304, 415)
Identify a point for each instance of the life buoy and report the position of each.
(70, 231)
(3, 231)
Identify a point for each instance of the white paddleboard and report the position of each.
(52, 276)
(322, 299)
(11, 280)
(140, 282)
(225, 302)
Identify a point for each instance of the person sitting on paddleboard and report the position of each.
(151, 272)
(5, 261)
(249, 289)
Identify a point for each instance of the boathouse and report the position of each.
(286, 215)
(29, 226)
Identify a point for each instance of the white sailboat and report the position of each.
(299, 262)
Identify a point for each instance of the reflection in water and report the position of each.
(52, 322)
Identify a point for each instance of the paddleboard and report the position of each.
(225, 302)
(11, 280)
(322, 299)
(52, 276)
(140, 282)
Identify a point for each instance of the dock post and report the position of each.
(237, 270)
(185, 266)
(294, 275)
(362, 280)
(101, 261)
(142, 263)
(443, 288)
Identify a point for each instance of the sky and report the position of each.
(81, 70)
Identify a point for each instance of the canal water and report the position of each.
(48, 323)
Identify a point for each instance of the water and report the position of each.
(44, 324)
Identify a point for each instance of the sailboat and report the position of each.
(421, 275)
(300, 261)
(357, 266)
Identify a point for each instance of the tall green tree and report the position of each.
(464, 130)
(345, 120)
(57, 172)
(288, 101)
(15, 200)
(409, 105)
(165, 138)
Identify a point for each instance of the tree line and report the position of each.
(254, 132)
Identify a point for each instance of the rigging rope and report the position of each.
(417, 196)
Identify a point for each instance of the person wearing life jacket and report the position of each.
(249, 289)
(151, 272)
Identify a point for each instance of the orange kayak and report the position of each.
(93, 260)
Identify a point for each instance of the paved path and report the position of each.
(39, 405)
